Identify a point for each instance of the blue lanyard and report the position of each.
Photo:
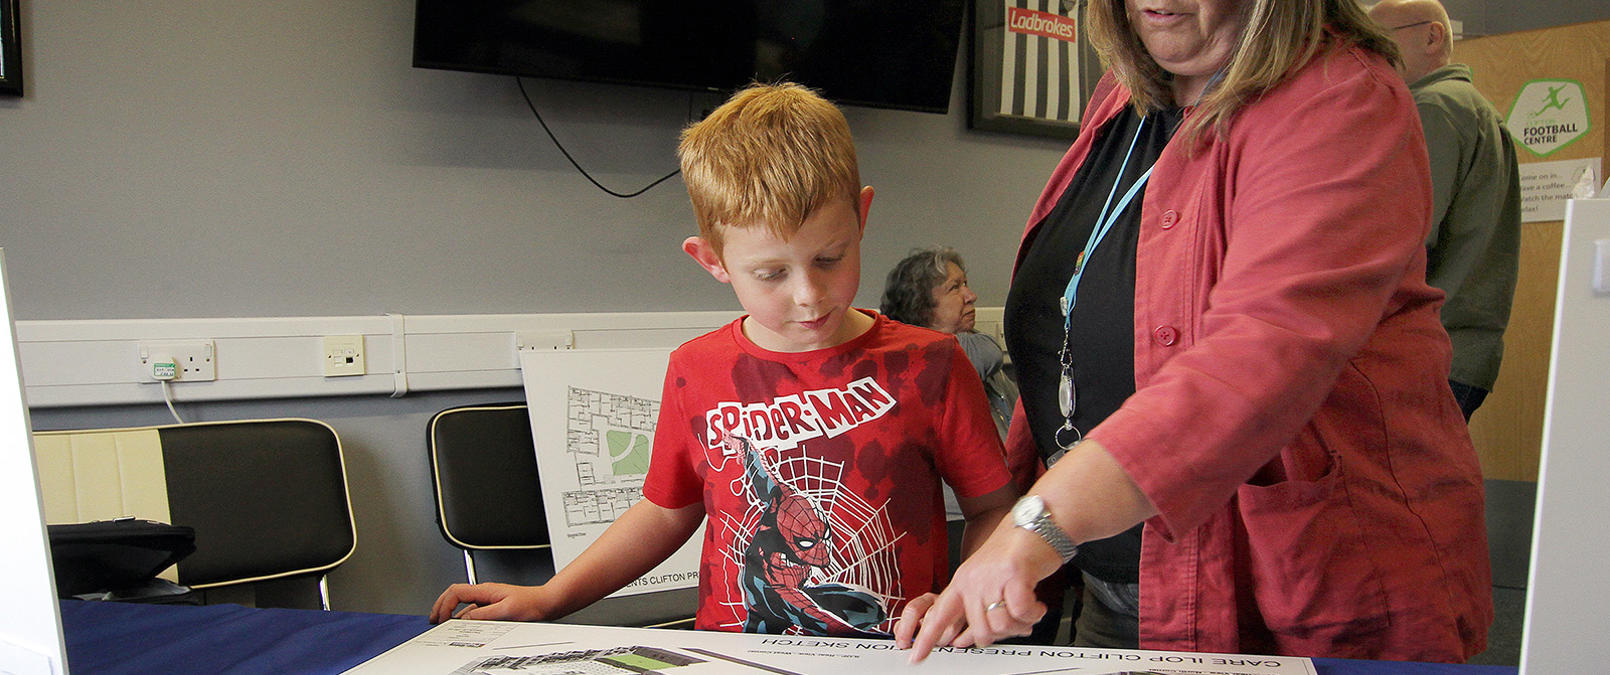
(1104, 223)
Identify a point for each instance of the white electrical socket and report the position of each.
(187, 361)
(343, 355)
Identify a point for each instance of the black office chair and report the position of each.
(484, 471)
(267, 499)
(489, 498)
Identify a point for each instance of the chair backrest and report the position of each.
(267, 498)
(484, 470)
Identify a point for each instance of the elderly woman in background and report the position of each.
(928, 288)
(1230, 359)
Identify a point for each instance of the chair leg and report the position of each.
(324, 591)
(469, 566)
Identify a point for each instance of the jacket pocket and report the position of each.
(1308, 560)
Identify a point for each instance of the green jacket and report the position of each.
(1474, 245)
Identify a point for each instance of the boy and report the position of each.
(811, 434)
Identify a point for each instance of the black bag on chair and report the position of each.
(118, 559)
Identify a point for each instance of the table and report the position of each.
(110, 637)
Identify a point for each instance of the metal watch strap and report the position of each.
(1030, 513)
(1053, 535)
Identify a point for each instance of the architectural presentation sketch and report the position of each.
(460, 647)
(608, 439)
(592, 420)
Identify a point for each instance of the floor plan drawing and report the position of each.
(609, 437)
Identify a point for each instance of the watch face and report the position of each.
(1027, 510)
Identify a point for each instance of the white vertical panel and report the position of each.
(1568, 590)
(30, 629)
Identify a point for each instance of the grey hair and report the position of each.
(908, 292)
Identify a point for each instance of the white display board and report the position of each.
(592, 418)
(30, 628)
(461, 647)
(1569, 592)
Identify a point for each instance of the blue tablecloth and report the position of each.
(113, 637)
(110, 637)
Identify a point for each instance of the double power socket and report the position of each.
(177, 361)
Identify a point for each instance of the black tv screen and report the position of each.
(882, 53)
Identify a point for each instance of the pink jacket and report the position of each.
(1317, 491)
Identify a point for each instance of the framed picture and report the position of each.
(10, 49)
(1031, 69)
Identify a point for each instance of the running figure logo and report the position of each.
(1553, 100)
(792, 546)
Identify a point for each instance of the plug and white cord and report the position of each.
(164, 369)
(167, 397)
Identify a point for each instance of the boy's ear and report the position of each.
(866, 205)
(705, 254)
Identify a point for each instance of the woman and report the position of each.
(929, 288)
(1277, 416)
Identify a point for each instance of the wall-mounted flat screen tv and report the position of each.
(881, 53)
(10, 49)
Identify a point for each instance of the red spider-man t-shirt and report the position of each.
(820, 473)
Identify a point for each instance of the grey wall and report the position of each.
(198, 159)
(180, 159)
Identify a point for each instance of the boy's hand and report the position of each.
(490, 601)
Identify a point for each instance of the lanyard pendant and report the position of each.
(1066, 393)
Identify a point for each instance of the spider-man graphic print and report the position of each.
(791, 540)
(820, 472)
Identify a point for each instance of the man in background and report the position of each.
(1474, 245)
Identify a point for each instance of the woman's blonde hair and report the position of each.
(770, 156)
(1278, 37)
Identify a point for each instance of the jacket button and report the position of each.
(1169, 218)
(1166, 335)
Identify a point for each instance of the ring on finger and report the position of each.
(995, 605)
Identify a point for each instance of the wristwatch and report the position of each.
(1030, 514)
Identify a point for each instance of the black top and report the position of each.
(1101, 337)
